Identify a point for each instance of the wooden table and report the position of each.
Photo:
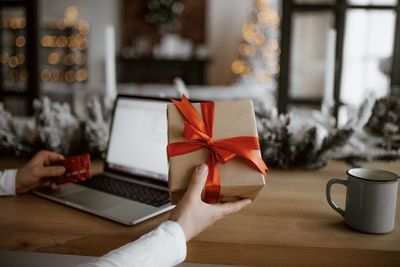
(290, 224)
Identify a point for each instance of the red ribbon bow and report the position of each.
(200, 131)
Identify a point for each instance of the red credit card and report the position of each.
(77, 169)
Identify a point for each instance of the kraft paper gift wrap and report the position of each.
(238, 177)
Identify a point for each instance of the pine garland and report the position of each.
(284, 149)
(385, 121)
(309, 145)
(8, 139)
(54, 127)
(95, 130)
(373, 133)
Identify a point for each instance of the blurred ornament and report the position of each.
(165, 14)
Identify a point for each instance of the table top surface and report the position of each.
(290, 223)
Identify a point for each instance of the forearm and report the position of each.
(7, 182)
(164, 246)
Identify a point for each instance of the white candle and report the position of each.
(111, 83)
(328, 100)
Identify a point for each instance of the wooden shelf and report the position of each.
(31, 91)
(151, 70)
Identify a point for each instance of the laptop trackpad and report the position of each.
(92, 199)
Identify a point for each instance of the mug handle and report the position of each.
(328, 195)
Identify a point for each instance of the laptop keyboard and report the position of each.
(136, 192)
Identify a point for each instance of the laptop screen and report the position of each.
(138, 138)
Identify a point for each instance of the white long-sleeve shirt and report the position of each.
(164, 246)
(7, 182)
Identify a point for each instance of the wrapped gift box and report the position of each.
(239, 178)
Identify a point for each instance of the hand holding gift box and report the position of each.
(226, 131)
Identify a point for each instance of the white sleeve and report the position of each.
(164, 246)
(7, 182)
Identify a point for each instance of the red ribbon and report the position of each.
(200, 132)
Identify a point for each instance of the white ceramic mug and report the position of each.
(370, 200)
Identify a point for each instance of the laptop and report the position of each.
(134, 184)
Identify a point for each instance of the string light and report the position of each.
(69, 76)
(70, 16)
(68, 60)
(72, 43)
(4, 57)
(20, 41)
(83, 27)
(45, 75)
(13, 24)
(55, 75)
(48, 41)
(239, 67)
(248, 32)
(21, 23)
(246, 50)
(53, 58)
(66, 35)
(81, 41)
(261, 4)
(80, 59)
(264, 76)
(260, 39)
(61, 41)
(56, 42)
(81, 75)
(20, 58)
(67, 44)
(13, 62)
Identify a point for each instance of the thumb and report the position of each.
(197, 182)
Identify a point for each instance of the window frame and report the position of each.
(339, 10)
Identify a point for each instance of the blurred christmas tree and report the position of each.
(259, 52)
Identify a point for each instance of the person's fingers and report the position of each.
(50, 156)
(48, 171)
(45, 157)
(232, 207)
(197, 182)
